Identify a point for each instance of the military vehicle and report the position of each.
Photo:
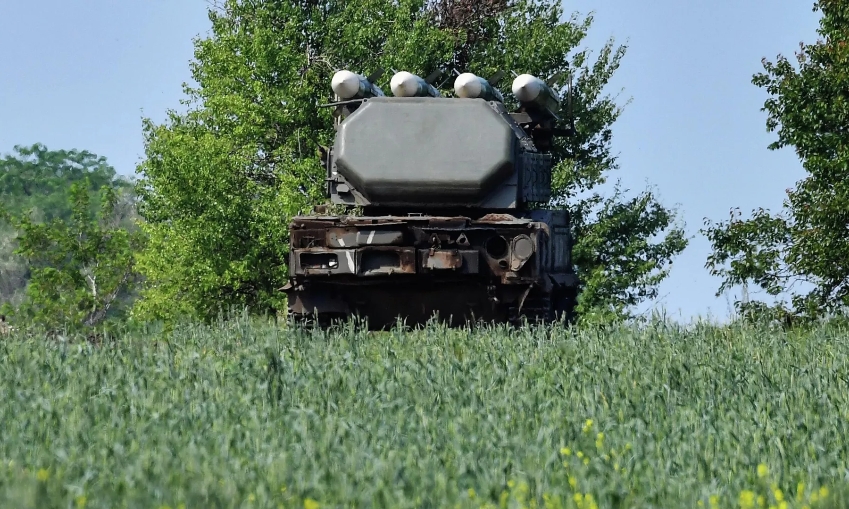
(446, 207)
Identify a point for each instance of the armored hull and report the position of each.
(497, 268)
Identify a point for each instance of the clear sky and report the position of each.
(82, 74)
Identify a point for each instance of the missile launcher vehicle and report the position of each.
(452, 218)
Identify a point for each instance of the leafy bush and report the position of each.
(80, 267)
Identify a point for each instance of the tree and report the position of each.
(80, 267)
(36, 181)
(801, 253)
(220, 181)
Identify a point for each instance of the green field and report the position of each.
(251, 415)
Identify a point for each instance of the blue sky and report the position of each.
(81, 75)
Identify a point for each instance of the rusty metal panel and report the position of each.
(305, 239)
(448, 222)
(382, 261)
(463, 261)
(500, 218)
(341, 238)
(316, 300)
(376, 237)
(442, 259)
(323, 262)
(352, 237)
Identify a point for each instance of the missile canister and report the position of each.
(405, 84)
(348, 85)
(470, 86)
(534, 93)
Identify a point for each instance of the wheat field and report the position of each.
(252, 415)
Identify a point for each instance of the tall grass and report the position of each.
(251, 415)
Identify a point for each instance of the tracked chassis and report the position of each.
(497, 268)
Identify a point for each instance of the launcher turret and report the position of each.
(452, 194)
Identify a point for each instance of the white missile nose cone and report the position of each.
(345, 84)
(467, 85)
(526, 87)
(404, 84)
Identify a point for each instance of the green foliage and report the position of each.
(806, 244)
(80, 267)
(621, 262)
(255, 415)
(36, 181)
(221, 182)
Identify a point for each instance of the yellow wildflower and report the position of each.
(573, 482)
(80, 501)
(580, 454)
(714, 501)
(599, 440)
(471, 493)
(588, 425)
(251, 498)
(42, 475)
(747, 499)
(310, 504)
(586, 461)
(763, 471)
(800, 491)
(566, 451)
(823, 492)
(779, 495)
(761, 501)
